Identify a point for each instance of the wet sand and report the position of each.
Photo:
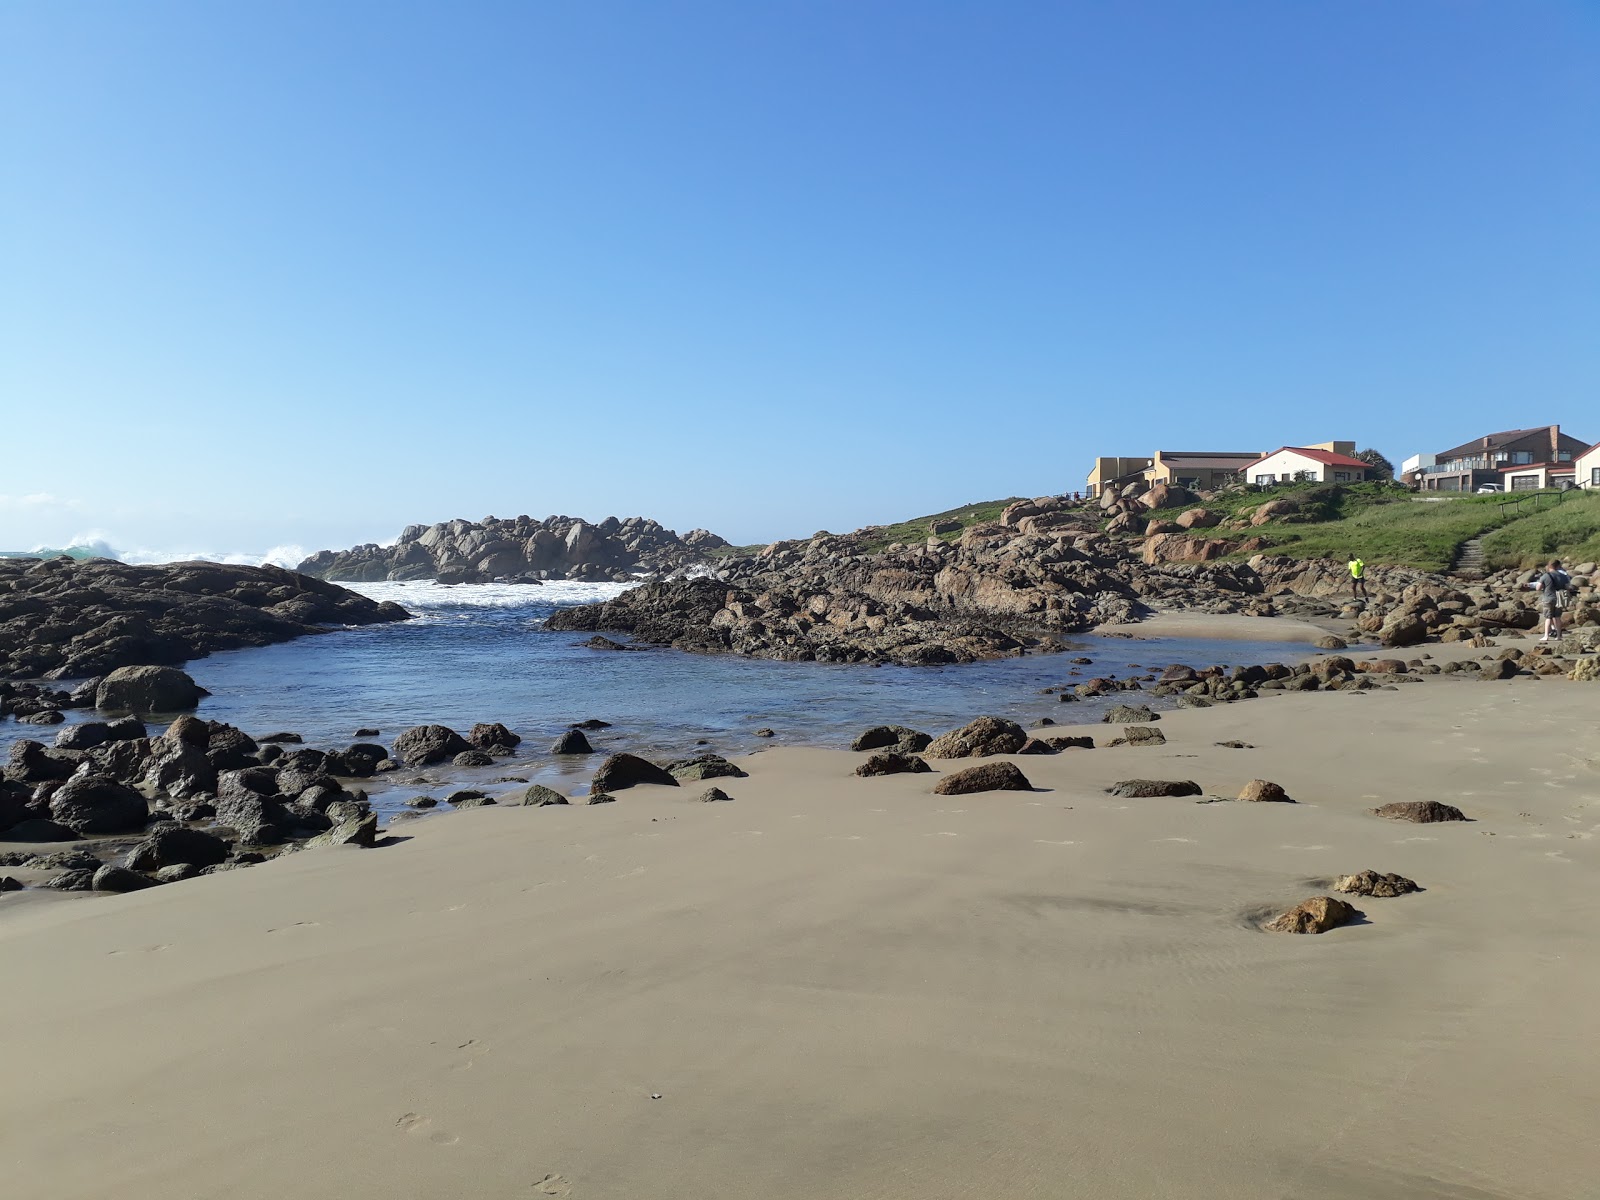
(852, 988)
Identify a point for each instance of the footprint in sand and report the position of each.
(553, 1185)
(296, 925)
(1048, 842)
(470, 1050)
(423, 1127)
(156, 949)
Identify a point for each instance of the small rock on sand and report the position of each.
(892, 762)
(1421, 811)
(714, 795)
(1127, 714)
(989, 777)
(1264, 791)
(1316, 915)
(1143, 789)
(1375, 883)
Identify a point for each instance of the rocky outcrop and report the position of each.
(66, 618)
(979, 739)
(892, 762)
(1375, 883)
(519, 549)
(147, 690)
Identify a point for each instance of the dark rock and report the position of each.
(230, 749)
(427, 744)
(421, 802)
(713, 795)
(537, 796)
(148, 689)
(49, 716)
(279, 738)
(257, 820)
(63, 860)
(1036, 746)
(91, 804)
(598, 642)
(704, 766)
(176, 844)
(979, 739)
(1071, 743)
(1140, 735)
(361, 733)
(39, 829)
(72, 881)
(341, 811)
(473, 758)
(29, 762)
(468, 798)
(111, 878)
(1375, 883)
(1316, 915)
(765, 732)
(83, 737)
(892, 737)
(488, 737)
(1140, 789)
(987, 777)
(177, 873)
(1421, 811)
(892, 762)
(1236, 745)
(596, 796)
(625, 770)
(1126, 714)
(591, 724)
(572, 742)
(8, 884)
(247, 782)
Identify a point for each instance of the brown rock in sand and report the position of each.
(1375, 883)
(990, 777)
(892, 762)
(979, 739)
(1316, 915)
(1142, 789)
(1264, 791)
(1421, 811)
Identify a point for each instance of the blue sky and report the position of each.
(306, 272)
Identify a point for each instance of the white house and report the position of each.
(1290, 463)
(1586, 468)
(1415, 463)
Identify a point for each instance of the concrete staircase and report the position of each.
(1469, 559)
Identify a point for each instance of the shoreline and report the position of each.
(489, 1005)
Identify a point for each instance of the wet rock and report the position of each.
(893, 762)
(704, 766)
(39, 829)
(598, 797)
(1264, 791)
(473, 758)
(986, 777)
(176, 844)
(892, 737)
(280, 738)
(536, 796)
(367, 732)
(148, 690)
(572, 742)
(714, 795)
(91, 804)
(1128, 714)
(72, 881)
(1375, 883)
(257, 820)
(341, 812)
(10, 884)
(49, 716)
(362, 831)
(426, 744)
(591, 724)
(29, 762)
(493, 736)
(1316, 915)
(421, 802)
(1420, 811)
(1143, 789)
(83, 737)
(177, 873)
(468, 798)
(63, 860)
(1036, 746)
(1140, 735)
(1329, 641)
(765, 732)
(1236, 745)
(979, 739)
(625, 770)
(110, 878)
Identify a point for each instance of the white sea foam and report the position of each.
(424, 594)
(96, 545)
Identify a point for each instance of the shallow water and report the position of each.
(481, 653)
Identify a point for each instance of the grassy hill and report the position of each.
(1390, 525)
(914, 531)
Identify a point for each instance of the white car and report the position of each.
(1488, 487)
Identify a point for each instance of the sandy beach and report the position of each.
(850, 988)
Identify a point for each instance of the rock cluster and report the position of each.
(64, 618)
(519, 549)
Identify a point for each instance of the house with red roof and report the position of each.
(1326, 462)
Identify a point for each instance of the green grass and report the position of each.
(1569, 530)
(915, 531)
(1382, 523)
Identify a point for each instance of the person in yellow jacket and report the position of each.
(1358, 581)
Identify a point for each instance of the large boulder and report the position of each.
(29, 762)
(180, 769)
(625, 770)
(1127, 714)
(361, 831)
(112, 878)
(16, 804)
(892, 737)
(986, 777)
(257, 820)
(1316, 915)
(91, 804)
(425, 744)
(173, 844)
(493, 736)
(704, 766)
(979, 739)
(148, 690)
(1264, 790)
(535, 796)
(572, 741)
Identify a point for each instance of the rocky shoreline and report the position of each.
(519, 550)
(64, 618)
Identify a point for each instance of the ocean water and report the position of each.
(481, 653)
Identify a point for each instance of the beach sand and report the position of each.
(852, 988)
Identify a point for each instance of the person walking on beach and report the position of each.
(1552, 586)
(1358, 581)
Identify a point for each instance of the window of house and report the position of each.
(1522, 458)
(1563, 455)
(1266, 480)
(1594, 476)
(1451, 483)
(1341, 476)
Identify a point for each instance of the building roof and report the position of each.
(1493, 440)
(1221, 460)
(1554, 467)
(1326, 457)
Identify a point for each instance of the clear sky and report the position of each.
(306, 272)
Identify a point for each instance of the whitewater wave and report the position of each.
(425, 595)
(95, 545)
